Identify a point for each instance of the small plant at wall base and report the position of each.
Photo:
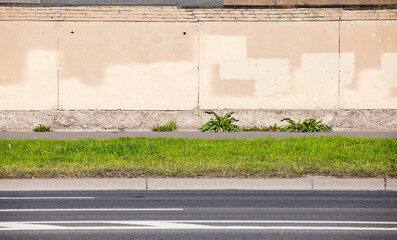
(42, 128)
(252, 129)
(272, 128)
(169, 127)
(220, 123)
(308, 125)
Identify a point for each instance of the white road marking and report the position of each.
(32, 198)
(189, 225)
(89, 209)
(286, 221)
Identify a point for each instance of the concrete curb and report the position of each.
(306, 183)
(72, 184)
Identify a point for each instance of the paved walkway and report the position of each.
(185, 134)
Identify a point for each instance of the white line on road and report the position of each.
(89, 209)
(41, 198)
(285, 221)
(183, 225)
(144, 222)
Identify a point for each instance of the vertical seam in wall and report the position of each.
(57, 65)
(58, 89)
(198, 65)
(339, 50)
(146, 181)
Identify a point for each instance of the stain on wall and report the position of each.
(153, 86)
(87, 49)
(128, 66)
(17, 39)
(28, 66)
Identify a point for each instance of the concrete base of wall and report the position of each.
(119, 120)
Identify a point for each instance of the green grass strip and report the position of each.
(166, 157)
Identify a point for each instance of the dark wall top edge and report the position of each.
(361, 7)
(182, 3)
(380, 6)
(177, 3)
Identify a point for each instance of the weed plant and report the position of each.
(308, 125)
(169, 127)
(220, 123)
(272, 128)
(42, 128)
(252, 129)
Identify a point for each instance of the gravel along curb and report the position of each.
(306, 183)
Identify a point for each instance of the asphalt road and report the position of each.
(198, 215)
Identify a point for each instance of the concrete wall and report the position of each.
(96, 58)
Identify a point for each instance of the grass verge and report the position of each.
(166, 157)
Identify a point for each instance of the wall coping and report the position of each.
(208, 3)
(309, 3)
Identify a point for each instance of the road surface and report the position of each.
(198, 215)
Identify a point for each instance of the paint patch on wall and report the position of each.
(272, 76)
(389, 69)
(221, 48)
(320, 67)
(347, 68)
(230, 88)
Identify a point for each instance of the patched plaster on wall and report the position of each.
(389, 69)
(374, 47)
(368, 92)
(320, 67)
(271, 76)
(347, 68)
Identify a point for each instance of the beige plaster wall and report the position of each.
(372, 65)
(28, 66)
(128, 66)
(154, 65)
(269, 65)
(49, 65)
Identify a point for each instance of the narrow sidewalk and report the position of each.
(186, 134)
